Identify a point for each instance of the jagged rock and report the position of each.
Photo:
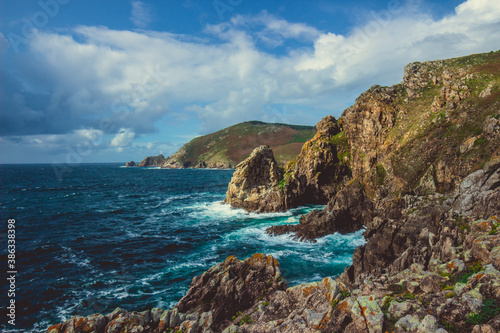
(429, 325)
(484, 329)
(478, 191)
(321, 168)
(315, 176)
(407, 324)
(399, 310)
(251, 186)
(347, 212)
(130, 164)
(152, 161)
(491, 128)
(232, 286)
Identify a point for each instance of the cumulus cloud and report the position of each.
(124, 138)
(141, 15)
(122, 83)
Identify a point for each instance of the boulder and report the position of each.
(253, 182)
(232, 287)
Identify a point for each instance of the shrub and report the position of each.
(408, 296)
(489, 310)
(380, 174)
(387, 303)
(246, 320)
(475, 268)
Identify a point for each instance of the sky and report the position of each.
(113, 81)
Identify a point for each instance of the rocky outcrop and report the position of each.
(228, 289)
(419, 137)
(254, 181)
(479, 193)
(426, 267)
(315, 176)
(321, 168)
(419, 230)
(347, 212)
(152, 161)
(215, 300)
(130, 164)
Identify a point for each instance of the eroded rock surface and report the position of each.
(252, 186)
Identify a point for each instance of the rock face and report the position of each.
(347, 212)
(130, 164)
(232, 287)
(416, 164)
(419, 137)
(315, 176)
(254, 180)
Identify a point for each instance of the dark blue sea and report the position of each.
(104, 236)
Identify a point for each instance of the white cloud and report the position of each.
(124, 138)
(141, 15)
(274, 31)
(135, 79)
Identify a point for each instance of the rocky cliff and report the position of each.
(314, 176)
(417, 165)
(430, 265)
(421, 136)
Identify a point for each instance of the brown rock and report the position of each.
(253, 182)
(347, 212)
(232, 286)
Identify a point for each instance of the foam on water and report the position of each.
(112, 236)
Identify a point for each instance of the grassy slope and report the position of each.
(233, 144)
(423, 137)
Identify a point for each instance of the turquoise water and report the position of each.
(107, 236)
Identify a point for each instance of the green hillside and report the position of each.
(230, 146)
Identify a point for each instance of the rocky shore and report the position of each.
(417, 166)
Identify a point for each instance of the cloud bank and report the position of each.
(124, 83)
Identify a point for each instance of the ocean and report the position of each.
(105, 236)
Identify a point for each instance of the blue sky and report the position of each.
(113, 81)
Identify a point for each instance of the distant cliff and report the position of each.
(228, 147)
